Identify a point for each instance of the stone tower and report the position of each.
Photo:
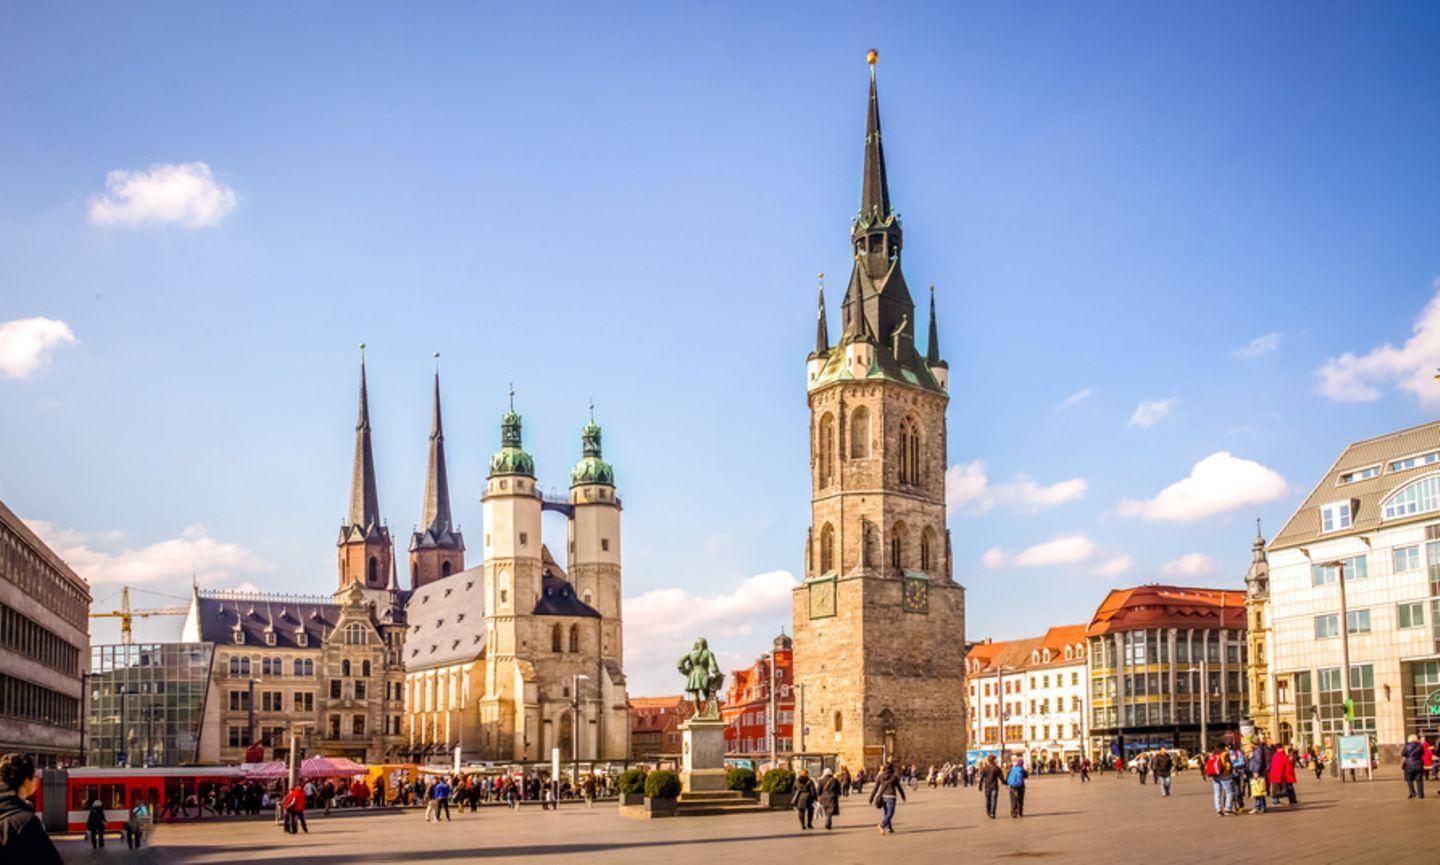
(1257, 631)
(364, 545)
(879, 621)
(436, 549)
(595, 538)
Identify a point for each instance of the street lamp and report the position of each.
(1339, 566)
(575, 734)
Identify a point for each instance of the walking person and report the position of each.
(1142, 768)
(135, 825)
(1218, 770)
(989, 783)
(441, 794)
(802, 799)
(1015, 780)
(829, 794)
(22, 834)
(1085, 771)
(1164, 765)
(1282, 776)
(1429, 760)
(95, 826)
(889, 791)
(1412, 763)
(294, 806)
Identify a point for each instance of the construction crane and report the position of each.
(126, 615)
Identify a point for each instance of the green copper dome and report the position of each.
(591, 469)
(511, 459)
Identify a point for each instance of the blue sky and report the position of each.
(631, 202)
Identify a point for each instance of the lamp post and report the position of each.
(575, 735)
(799, 688)
(772, 719)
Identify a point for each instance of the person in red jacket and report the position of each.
(360, 793)
(1428, 758)
(1282, 776)
(294, 807)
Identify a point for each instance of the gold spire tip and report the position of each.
(872, 57)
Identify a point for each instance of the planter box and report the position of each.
(661, 807)
(776, 801)
(632, 798)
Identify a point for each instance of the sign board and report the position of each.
(1432, 703)
(1354, 752)
(874, 750)
(555, 765)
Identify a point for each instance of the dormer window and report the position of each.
(238, 636)
(269, 638)
(1418, 460)
(302, 638)
(1335, 517)
(1355, 475)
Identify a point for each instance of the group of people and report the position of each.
(1261, 772)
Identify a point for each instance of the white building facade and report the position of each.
(1028, 697)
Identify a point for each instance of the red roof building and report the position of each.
(746, 711)
(655, 725)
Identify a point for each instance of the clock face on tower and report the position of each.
(915, 595)
(822, 599)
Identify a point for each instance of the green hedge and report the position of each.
(631, 781)
(741, 779)
(778, 781)
(662, 784)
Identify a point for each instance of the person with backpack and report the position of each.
(1015, 780)
(1219, 771)
(989, 783)
(1164, 764)
(888, 792)
(802, 799)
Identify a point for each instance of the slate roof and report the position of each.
(1304, 526)
(557, 596)
(219, 611)
(447, 621)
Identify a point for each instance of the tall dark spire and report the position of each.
(435, 517)
(857, 325)
(822, 330)
(364, 500)
(875, 190)
(932, 346)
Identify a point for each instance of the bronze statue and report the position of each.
(702, 677)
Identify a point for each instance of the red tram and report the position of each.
(171, 794)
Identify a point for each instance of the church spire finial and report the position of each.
(932, 346)
(875, 190)
(364, 499)
(435, 518)
(822, 328)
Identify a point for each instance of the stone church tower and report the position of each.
(879, 621)
(436, 549)
(364, 546)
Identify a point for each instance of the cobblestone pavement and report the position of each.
(1108, 820)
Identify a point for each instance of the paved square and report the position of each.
(1108, 820)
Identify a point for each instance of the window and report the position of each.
(357, 725)
(1406, 559)
(557, 639)
(1417, 497)
(827, 549)
(354, 635)
(839, 723)
(575, 638)
(345, 667)
(334, 689)
(860, 433)
(1335, 516)
(372, 571)
(360, 690)
(1358, 621)
(1412, 615)
(897, 545)
(524, 539)
(1355, 569)
(927, 546)
(304, 701)
(365, 669)
(825, 444)
(909, 453)
(1366, 473)
(604, 545)
(1327, 626)
(1412, 462)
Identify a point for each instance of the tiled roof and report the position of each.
(447, 621)
(1155, 606)
(1014, 655)
(290, 616)
(1304, 525)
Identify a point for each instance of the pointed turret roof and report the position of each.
(932, 345)
(364, 500)
(822, 329)
(857, 325)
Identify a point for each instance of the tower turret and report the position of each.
(436, 549)
(364, 544)
(511, 506)
(595, 537)
(938, 367)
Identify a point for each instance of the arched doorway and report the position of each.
(887, 734)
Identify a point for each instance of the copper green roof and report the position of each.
(511, 459)
(591, 469)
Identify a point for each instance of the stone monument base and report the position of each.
(702, 765)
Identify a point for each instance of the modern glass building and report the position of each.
(145, 703)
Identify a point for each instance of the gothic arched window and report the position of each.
(372, 570)
(574, 638)
(897, 545)
(839, 722)
(445, 569)
(927, 549)
(345, 667)
(827, 549)
(908, 452)
(365, 669)
(826, 445)
(860, 433)
(557, 639)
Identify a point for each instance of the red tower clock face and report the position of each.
(916, 595)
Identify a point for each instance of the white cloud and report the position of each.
(660, 624)
(187, 194)
(1258, 346)
(1113, 567)
(27, 343)
(994, 557)
(170, 560)
(967, 487)
(1063, 550)
(1151, 412)
(1218, 483)
(1190, 565)
(1359, 378)
(1074, 399)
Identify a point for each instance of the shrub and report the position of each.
(778, 781)
(631, 781)
(738, 778)
(662, 784)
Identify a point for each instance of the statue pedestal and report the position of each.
(702, 766)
